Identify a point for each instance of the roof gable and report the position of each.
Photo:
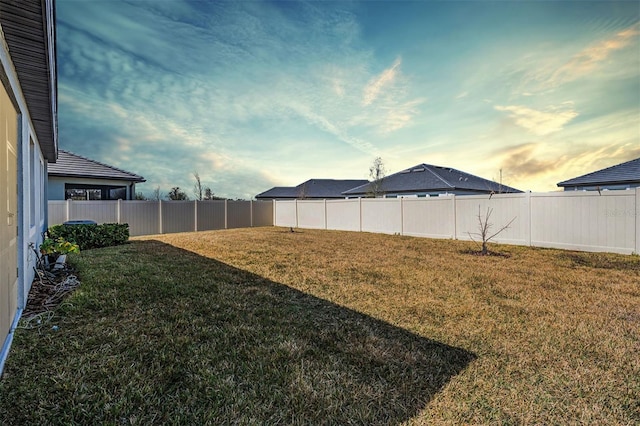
(623, 172)
(74, 165)
(313, 188)
(427, 177)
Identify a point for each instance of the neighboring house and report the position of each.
(28, 125)
(621, 176)
(426, 180)
(79, 178)
(312, 189)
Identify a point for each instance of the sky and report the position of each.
(252, 95)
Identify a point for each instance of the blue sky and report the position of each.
(259, 94)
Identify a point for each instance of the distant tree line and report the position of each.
(201, 193)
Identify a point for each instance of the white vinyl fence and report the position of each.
(164, 217)
(580, 220)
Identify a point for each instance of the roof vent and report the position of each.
(419, 169)
(405, 171)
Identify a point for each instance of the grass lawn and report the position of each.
(264, 326)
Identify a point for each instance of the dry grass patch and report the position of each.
(556, 333)
(264, 326)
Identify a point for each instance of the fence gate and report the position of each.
(9, 211)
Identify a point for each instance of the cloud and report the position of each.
(540, 122)
(588, 59)
(375, 86)
(524, 161)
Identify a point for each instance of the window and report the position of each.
(32, 183)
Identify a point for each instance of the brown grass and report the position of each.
(556, 333)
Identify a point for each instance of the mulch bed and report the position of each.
(48, 290)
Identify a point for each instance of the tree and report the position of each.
(157, 195)
(484, 226)
(377, 173)
(208, 194)
(140, 196)
(177, 194)
(197, 187)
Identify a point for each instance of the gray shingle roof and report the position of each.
(428, 178)
(624, 172)
(26, 27)
(74, 165)
(314, 188)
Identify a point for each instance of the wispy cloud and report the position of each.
(374, 88)
(539, 122)
(525, 161)
(588, 59)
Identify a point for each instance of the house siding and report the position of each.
(28, 163)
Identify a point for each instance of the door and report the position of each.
(8, 213)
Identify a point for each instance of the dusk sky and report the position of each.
(259, 94)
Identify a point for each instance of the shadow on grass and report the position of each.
(157, 334)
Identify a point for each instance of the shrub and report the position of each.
(92, 236)
(58, 246)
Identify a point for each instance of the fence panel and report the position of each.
(311, 214)
(585, 220)
(428, 217)
(503, 207)
(343, 215)
(210, 215)
(262, 213)
(99, 211)
(143, 217)
(178, 216)
(57, 212)
(238, 214)
(382, 215)
(286, 213)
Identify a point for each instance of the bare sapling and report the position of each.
(484, 226)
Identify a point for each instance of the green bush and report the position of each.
(92, 236)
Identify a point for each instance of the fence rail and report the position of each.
(587, 221)
(579, 220)
(164, 217)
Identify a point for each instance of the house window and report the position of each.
(94, 192)
(32, 183)
(43, 203)
(83, 194)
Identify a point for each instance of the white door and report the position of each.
(9, 213)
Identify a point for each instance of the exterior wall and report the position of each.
(56, 187)
(605, 187)
(30, 220)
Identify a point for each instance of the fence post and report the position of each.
(453, 214)
(637, 213)
(68, 210)
(160, 216)
(119, 212)
(251, 213)
(274, 207)
(325, 213)
(195, 215)
(528, 219)
(401, 215)
(225, 214)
